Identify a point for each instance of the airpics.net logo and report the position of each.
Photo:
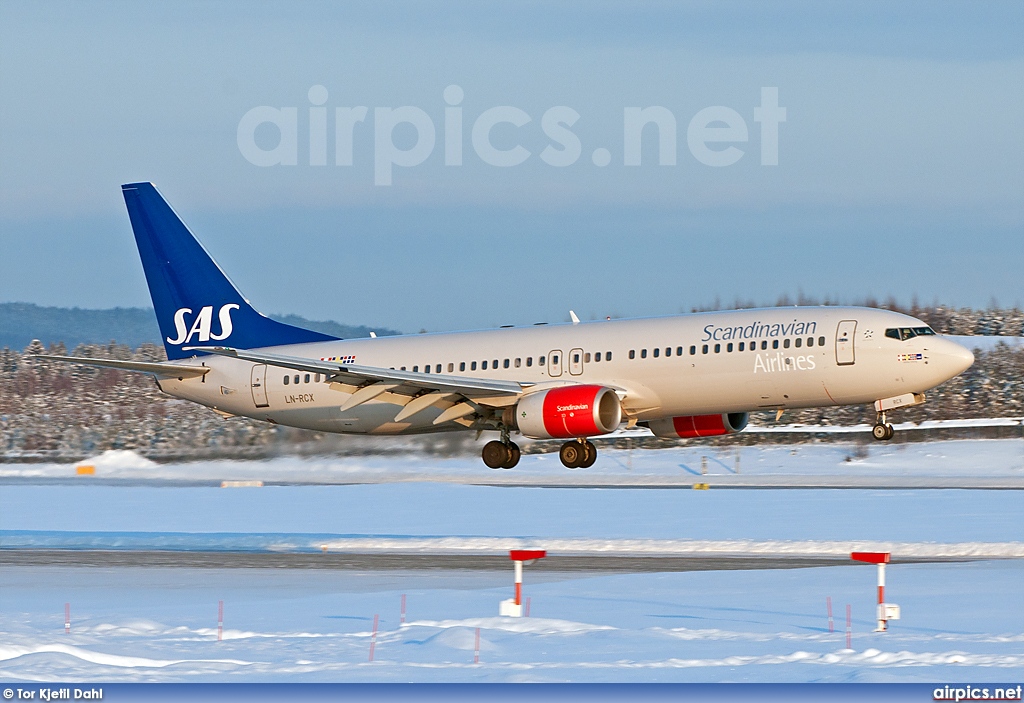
(714, 135)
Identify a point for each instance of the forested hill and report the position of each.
(20, 323)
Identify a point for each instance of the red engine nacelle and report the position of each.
(572, 411)
(690, 426)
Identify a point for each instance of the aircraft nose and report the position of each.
(956, 357)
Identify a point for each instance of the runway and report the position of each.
(501, 479)
(419, 562)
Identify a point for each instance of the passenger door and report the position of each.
(258, 381)
(844, 342)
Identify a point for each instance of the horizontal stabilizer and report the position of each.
(161, 370)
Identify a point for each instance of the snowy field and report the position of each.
(961, 620)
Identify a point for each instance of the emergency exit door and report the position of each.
(844, 342)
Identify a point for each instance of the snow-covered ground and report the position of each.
(961, 621)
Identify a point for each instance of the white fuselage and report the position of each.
(716, 362)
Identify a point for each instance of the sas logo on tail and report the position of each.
(201, 326)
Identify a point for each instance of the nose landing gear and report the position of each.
(578, 454)
(882, 431)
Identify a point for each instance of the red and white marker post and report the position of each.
(401, 620)
(220, 620)
(373, 637)
(828, 603)
(886, 611)
(513, 607)
(67, 618)
(849, 627)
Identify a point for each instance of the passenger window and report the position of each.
(472, 366)
(693, 349)
(643, 353)
(741, 347)
(679, 351)
(718, 348)
(519, 362)
(495, 364)
(529, 361)
(296, 379)
(575, 358)
(305, 379)
(403, 368)
(462, 366)
(785, 343)
(540, 361)
(821, 341)
(728, 347)
(632, 353)
(554, 360)
(668, 351)
(798, 343)
(483, 364)
(657, 352)
(810, 341)
(437, 369)
(317, 380)
(506, 363)
(775, 344)
(764, 344)
(426, 368)
(704, 349)
(415, 369)
(607, 356)
(287, 380)
(586, 358)
(597, 356)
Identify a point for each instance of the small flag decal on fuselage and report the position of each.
(910, 357)
(349, 359)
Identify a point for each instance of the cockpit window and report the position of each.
(905, 333)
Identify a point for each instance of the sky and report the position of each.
(832, 150)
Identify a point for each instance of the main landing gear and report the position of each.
(501, 455)
(578, 454)
(882, 431)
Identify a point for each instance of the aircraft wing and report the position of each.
(465, 386)
(162, 370)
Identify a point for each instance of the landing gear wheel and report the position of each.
(513, 455)
(883, 433)
(591, 455)
(495, 454)
(572, 454)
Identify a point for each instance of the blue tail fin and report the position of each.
(195, 302)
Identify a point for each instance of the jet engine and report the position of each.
(690, 426)
(571, 411)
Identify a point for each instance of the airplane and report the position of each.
(683, 376)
